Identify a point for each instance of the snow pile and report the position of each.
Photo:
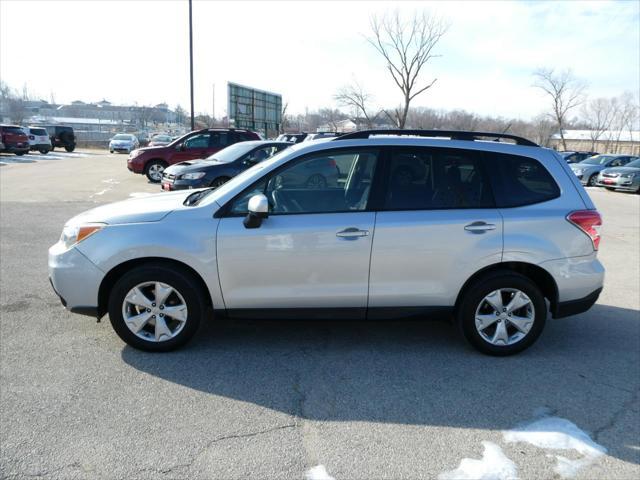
(556, 433)
(494, 465)
(318, 473)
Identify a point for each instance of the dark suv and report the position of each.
(13, 140)
(61, 137)
(152, 161)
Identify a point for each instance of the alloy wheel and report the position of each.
(155, 171)
(505, 316)
(154, 311)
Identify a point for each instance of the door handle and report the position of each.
(479, 227)
(352, 232)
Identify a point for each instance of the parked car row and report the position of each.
(594, 170)
(20, 140)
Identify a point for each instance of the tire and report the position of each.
(186, 291)
(70, 148)
(592, 180)
(153, 169)
(53, 147)
(44, 151)
(219, 181)
(110, 151)
(474, 301)
(20, 153)
(611, 189)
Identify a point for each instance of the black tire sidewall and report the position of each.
(473, 296)
(181, 281)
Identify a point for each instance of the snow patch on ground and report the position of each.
(318, 473)
(139, 194)
(556, 433)
(494, 465)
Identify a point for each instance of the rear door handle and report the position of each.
(352, 232)
(479, 227)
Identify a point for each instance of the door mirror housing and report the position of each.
(258, 210)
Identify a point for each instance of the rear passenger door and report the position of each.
(436, 226)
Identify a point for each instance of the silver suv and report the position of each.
(490, 234)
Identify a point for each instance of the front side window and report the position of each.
(320, 183)
(197, 141)
(435, 179)
(520, 180)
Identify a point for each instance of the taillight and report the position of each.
(589, 221)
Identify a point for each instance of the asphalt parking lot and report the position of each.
(278, 399)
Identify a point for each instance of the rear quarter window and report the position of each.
(519, 180)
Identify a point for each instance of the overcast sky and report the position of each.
(137, 51)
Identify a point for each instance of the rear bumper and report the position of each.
(14, 148)
(574, 307)
(41, 146)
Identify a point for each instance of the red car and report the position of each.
(152, 161)
(14, 140)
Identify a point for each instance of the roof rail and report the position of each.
(453, 134)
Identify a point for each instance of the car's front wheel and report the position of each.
(155, 308)
(592, 180)
(502, 313)
(44, 151)
(154, 170)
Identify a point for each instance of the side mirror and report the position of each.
(258, 210)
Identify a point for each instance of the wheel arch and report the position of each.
(538, 275)
(147, 163)
(119, 270)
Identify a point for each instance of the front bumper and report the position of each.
(134, 166)
(120, 149)
(620, 183)
(75, 279)
(182, 184)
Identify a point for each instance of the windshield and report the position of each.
(634, 164)
(239, 179)
(598, 160)
(122, 137)
(232, 152)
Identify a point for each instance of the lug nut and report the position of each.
(148, 309)
(153, 304)
(161, 315)
(153, 316)
(161, 307)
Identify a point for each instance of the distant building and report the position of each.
(610, 141)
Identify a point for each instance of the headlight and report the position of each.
(73, 234)
(577, 171)
(628, 175)
(192, 176)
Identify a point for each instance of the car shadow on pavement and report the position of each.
(583, 368)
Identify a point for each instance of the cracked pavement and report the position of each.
(273, 399)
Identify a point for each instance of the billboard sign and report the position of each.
(254, 109)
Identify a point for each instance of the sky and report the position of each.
(138, 51)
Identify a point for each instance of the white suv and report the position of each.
(38, 139)
(489, 234)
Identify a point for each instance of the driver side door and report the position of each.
(310, 257)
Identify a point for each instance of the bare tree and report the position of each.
(566, 93)
(599, 114)
(355, 97)
(407, 46)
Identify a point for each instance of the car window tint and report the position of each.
(429, 179)
(198, 141)
(321, 183)
(219, 140)
(520, 180)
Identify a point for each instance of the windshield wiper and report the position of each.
(195, 197)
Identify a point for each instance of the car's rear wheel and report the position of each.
(20, 153)
(611, 189)
(43, 151)
(70, 148)
(502, 313)
(155, 308)
(316, 181)
(219, 181)
(154, 170)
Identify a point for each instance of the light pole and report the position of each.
(193, 126)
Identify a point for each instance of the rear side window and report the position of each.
(436, 179)
(519, 181)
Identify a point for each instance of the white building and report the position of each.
(609, 141)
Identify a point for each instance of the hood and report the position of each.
(621, 170)
(193, 166)
(152, 208)
(584, 166)
(157, 148)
